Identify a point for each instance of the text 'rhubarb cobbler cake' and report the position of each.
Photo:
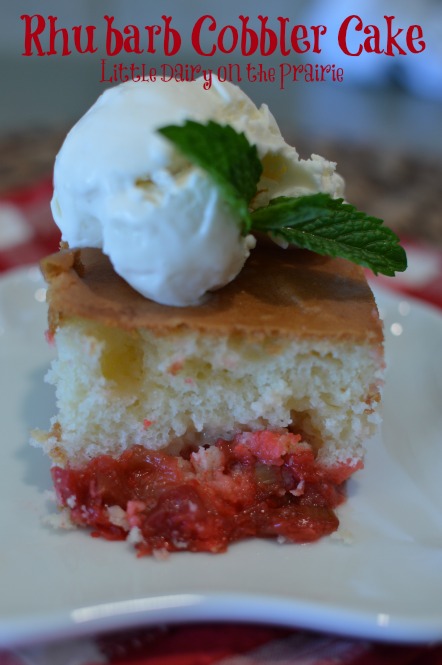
(208, 390)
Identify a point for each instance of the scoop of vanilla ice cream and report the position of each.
(120, 186)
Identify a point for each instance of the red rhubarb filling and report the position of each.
(261, 484)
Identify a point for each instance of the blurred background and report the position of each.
(382, 124)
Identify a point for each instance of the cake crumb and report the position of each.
(343, 536)
(135, 536)
(50, 495)
(299, 489)
(71, 501)
(161, 554)
(118, 517)
(61, 520)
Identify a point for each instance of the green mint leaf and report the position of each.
(332, 227)
(226, 155)
(318, 222)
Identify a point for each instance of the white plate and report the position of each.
(383, 582)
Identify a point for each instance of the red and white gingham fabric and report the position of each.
(217, 644)
(27, 233)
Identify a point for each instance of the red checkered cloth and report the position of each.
(27, 233)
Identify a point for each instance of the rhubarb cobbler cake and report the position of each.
(219, 352)
(188, 428)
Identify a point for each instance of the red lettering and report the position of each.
(152, 31)
(196, 34)
(411, 38)
(267, 34)
(89, 48)
(36, 25)
(233, 37)
(32, 33)
(391, 39)
(283, 48)
(342, 34)
(131, 43)
(53, 32)
(114, 38)
(265, 39)
(318, 31)
(373, 43)
(115, 42)
(248, 35)
(299, 32)
(172, 39)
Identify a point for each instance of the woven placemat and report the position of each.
(405, 190)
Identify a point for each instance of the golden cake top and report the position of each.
(280, 292)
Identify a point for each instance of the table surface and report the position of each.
(403, 189)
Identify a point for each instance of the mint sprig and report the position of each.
(227, 156)
(329, 226)
(316, 222)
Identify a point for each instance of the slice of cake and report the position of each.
(213, 382)
(189, 428)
